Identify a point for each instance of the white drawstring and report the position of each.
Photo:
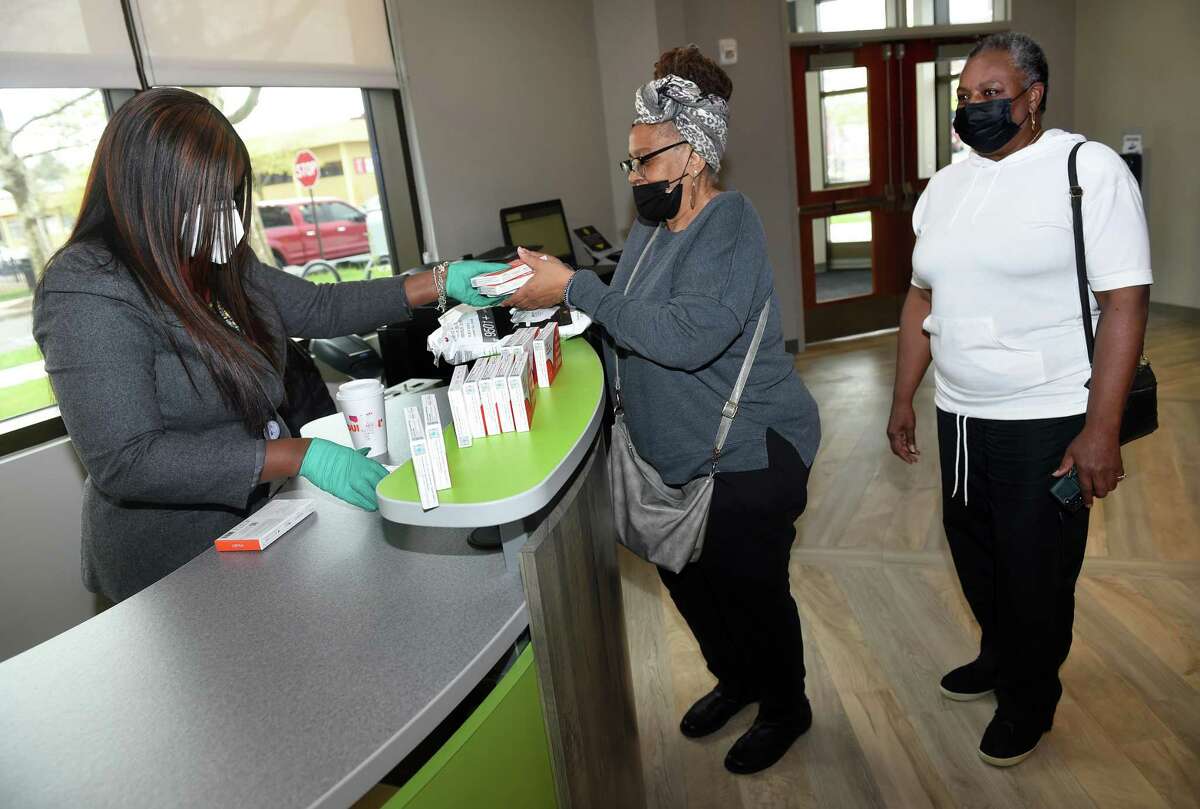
(966, 465)
(960, 446)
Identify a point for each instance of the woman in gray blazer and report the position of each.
(164, 341)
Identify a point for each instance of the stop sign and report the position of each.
(306, 169)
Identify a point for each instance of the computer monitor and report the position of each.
(541, 223)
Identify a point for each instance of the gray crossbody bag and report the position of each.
(660, 523)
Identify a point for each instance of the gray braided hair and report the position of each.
(1027, 56)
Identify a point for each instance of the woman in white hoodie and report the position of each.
(995, 305)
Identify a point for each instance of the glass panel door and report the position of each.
(873, 124)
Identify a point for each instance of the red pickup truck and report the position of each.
(292, 234)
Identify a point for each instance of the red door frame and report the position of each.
(894, 185)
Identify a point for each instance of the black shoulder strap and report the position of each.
(1080, 258)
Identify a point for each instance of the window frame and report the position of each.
(896, 10)
(395, 174)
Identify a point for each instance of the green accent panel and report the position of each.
(503, 466)
(499, 757)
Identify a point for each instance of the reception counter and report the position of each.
(302, 675)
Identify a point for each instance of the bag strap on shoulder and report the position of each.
(1085, 303)
(731, 406)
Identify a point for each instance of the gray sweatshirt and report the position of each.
(682, 332)
(170, 466)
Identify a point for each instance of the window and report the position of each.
(842, 256)
(274, 216)
(844, 127)
(276, 123)
(825, 16)
(337, 212)
(47, 139)
(837, 15)
(938, 145)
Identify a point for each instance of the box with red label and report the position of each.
(522, 391)
(264, 526)
(547, 355)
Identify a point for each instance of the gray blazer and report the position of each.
(170, 467)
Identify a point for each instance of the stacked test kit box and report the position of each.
(428, 448)
(499, 394)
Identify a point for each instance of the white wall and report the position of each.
(41, 592)
(505, 100)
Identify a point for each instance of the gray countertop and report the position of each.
(293, 677)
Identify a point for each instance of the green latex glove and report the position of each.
(343, 472)
(458, 281)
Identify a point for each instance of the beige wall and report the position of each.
(504, 101)
(1138, 65)
(1052, 24)
(760, 161)
(627, 45)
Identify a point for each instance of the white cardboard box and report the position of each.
(487, 397)
(500, 392)
(422, 464)
(522, 392)
(458, 407)
(436, 440)
(264, 526)
(474, 400)
(547, 354)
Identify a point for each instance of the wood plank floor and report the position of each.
(884, 618)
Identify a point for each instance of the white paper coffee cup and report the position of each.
(361, 402)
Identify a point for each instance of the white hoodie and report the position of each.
(995, 246)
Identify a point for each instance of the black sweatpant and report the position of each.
(736, 597)
(1017, 551)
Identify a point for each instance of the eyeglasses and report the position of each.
(638, 163)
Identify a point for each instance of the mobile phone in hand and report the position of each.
(1067, 492)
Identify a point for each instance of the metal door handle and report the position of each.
(341, 229)
(310, 233)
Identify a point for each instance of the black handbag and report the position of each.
(1141, 405)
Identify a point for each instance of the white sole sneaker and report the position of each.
(959, 697)
(1008, 762)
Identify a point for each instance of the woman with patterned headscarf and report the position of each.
(681, 327)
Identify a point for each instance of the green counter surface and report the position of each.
(502, 466)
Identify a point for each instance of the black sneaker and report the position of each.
(968, 682)
(766, 742)
(711, 712)
(1007, 741)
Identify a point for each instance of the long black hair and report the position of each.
(168, 161)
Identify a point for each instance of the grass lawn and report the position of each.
(857, 217)
(13, 294)
(19, 356)
(28, 396)
(348, 273)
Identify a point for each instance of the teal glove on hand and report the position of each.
(458, 281)
(343, 472)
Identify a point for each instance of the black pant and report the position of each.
(1016, 550)
(736, 597)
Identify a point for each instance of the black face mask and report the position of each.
(654, 203)
(986, 127)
